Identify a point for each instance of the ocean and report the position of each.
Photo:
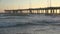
(31, 24)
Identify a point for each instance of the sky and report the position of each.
(23, 4)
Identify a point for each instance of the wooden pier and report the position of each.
(46, 10)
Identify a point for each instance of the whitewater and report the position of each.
(31, 24)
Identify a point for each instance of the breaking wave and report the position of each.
(14, 21)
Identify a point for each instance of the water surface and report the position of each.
(32, 24)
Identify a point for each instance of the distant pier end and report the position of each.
(46, 10)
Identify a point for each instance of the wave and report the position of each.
(40, 23)
(15, 21)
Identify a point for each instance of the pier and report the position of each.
(46, 10)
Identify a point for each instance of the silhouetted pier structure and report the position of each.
(47, 10)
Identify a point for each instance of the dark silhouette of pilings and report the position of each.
(30, 11)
